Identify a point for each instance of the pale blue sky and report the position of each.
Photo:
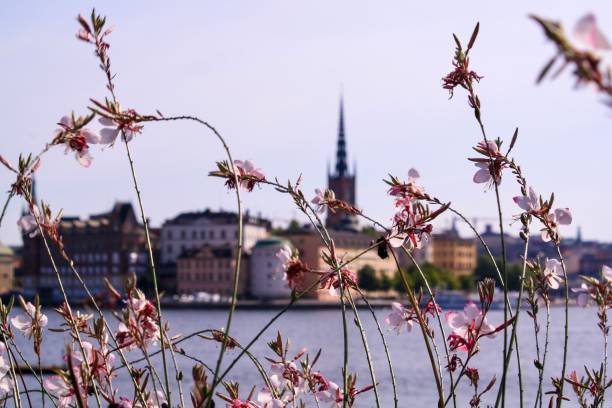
(268, 74)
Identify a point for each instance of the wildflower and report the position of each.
(587, 31)
(321, 199)
(584, 294)
(140, 327)
(561, 216)
(5, 382)
(249, 175)
(552, 273)
(399, 317)
(27, 223)
(530, 203)
(61, 388)
(607, 272)
(331, 283)
(125, 122)
(460, 75)
(267, 400)
(490, 166)
(29, 322)
(77, 138)
(468, 326)
(292, 266)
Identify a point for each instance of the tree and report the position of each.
(367, 278)
(486, 269)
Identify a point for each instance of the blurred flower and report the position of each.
(399, 318)
(587, 31)
(468, 326)
(553, 273)
(76, 138)
(249, 175)
(28, 322)
(27, 223)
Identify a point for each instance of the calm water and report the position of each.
(323, 329)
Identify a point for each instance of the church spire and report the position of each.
(341, 166)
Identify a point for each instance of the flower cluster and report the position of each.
(293, 268)
(247, 174)
(402, 316)
(534, 205)
(327, 199)
(461, 75)
(468, 327)
(139, 327)
(585, 62)
(491, 165)
(411, 221)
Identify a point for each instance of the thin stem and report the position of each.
(385, 346)
(515, 325)
(366, 348)
(65, 296)
(12, 364)
(566, 331)
(437, 313)
(424, 330)
(5, 206)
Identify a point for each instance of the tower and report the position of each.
(342, 182)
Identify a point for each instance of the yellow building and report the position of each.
(7, 270)
(451, 252)
(348, 245)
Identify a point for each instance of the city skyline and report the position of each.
(282, 110)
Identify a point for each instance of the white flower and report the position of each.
(27, 223)
(398, 318)
(552, 273)
(26, 322)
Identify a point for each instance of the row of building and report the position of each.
(195, 251)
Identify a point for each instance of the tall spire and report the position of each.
(341, 166)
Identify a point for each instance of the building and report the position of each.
(109, 245)
(211, 269)
(349, 244)
(192, 230)
(7, 271)
(342, 183)
(451, 252)
(266, 269)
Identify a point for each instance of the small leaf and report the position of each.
(474, 35)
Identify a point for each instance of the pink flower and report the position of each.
(552, 273)
(531, 203)
(248, 174)
(112, 128)
(77, 139)
(321, 198)
(33, 317)
(267, 400)
(61, 389)
(584, 295)
(607, 272)
(141, 328)
(561, 216)
(399, 317)
(587, 31)
(331, 283)
(27, 223)
(490, 166)
(468, 326)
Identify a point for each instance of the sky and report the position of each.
(269, 75)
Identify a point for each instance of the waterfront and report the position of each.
(323, 329)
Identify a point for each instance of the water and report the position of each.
(323, 329)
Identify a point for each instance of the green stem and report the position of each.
(566, 331)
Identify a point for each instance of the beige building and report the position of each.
(211, 269)
(7, 270)
(451, 252)
(348, 245)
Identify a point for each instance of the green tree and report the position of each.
(486, 269)
(367, 278)
(385, 282)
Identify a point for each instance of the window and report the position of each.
(194, 234)
(222, 234)
(183, 234)
(169, 248)
(211, 234)
(202, 234)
